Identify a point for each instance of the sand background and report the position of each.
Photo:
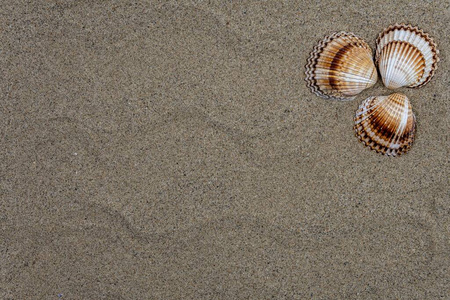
(162, 150)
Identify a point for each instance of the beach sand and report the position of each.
(162, 150)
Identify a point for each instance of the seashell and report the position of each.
(405, 56)
(386, 124)
(340, 67)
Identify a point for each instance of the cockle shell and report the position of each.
(386, 124)
(340, 67)
(405, 56)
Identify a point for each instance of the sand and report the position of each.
(154, 150)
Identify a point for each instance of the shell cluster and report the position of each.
(341, 66)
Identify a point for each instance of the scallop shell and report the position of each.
(340, 67)
(405, 56)
(386, 124)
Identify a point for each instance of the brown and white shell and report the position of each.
(405, 56)
(386, 124)
(340, 67)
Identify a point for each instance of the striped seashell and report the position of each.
(386, 124)
(405, 56)
(340, 67)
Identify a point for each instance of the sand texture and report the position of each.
(171, 150)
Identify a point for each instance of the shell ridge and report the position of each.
(372, 112)
(312, 61)
(410, 58)
(401, 126)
